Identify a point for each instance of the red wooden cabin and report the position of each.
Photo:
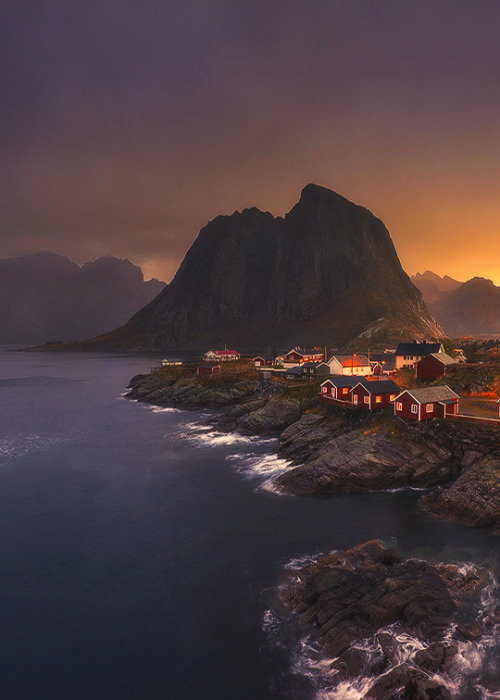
(337, 390)
(434, 366)
(424, 404)
(374, 394)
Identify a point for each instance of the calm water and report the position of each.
(138, 550)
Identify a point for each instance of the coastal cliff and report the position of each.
(334, 451)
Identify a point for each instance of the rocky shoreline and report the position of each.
(334, 451)
(389, 628)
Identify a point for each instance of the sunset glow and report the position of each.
(128, 126)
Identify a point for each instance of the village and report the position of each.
(409, 380)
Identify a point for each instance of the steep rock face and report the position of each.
(45, 297)
(325, 273)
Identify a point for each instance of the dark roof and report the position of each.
(386, 386)
(386, 359)
(419, 349)
(341, 382)
(311, 364)
(294, 370)
(431, 394)
(381, 356)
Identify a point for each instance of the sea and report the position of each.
(141, 551)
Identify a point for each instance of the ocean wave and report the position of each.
(260, 466)
(206, 436)
(167, 409)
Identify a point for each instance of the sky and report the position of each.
(127, 125)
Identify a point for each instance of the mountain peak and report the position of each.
(325, 273)
(312, 193)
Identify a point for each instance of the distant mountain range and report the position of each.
(462, 308)
(45, 297)
(327, 273)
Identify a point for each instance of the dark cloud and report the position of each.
(127, 125)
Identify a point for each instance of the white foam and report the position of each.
(207, 436)
(466, 671)
(299, 562)
(255, 465)
(167, 409)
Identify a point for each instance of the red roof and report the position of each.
(356, 361)
(224, 352)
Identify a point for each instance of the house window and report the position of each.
(392, 397)
(414, 408)
(429, 408)
(367, 399)
(325, 389)
(399, 406)
(378, 399)
(355, 398)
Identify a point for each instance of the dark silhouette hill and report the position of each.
(461, 308)
(326, 273)
(472, 309)
(45, 297)
(433, 287)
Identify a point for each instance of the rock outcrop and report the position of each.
(327, 272)
(474, 498)
(395, 628)
(374, 457)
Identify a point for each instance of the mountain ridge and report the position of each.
(46, 297)
(467, 308)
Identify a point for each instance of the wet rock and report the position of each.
(359, 603)
(406, 683)
(271, 418)
(368, 460)
(474, 498)
(436, 657)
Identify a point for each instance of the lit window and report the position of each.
(325, 389)
(414, 408)
(378, 399)
(399, 406)
(392, 397)
(429, 408)
(367, 399)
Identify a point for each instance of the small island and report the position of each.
(387, 627)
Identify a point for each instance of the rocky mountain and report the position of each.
(462, 308)
(45, 297)
(326, 273)
(472, 309)
(433, 287)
